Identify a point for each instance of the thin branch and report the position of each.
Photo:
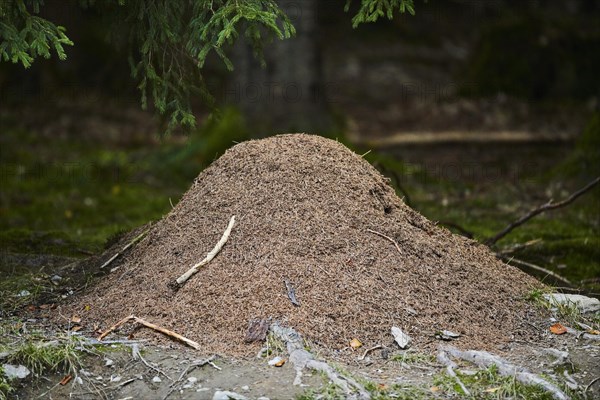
(367, 351)
(591, 384)
(183, 278)
(386, 237)
(135, 353)
(124, 249)
(534, 267)
(550, 205)
(152, 326)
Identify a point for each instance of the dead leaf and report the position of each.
(76, 328)
(593, 332)
(280, 363)
(355, 344)
(87, 307)
(75, 319)
(492, 390)
(31, 307)
(434, 389)
(66, 379)
(558, 329)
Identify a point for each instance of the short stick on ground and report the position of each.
(386, 237)
(135, 353)
(115, 326)
(152, 326)
(183, 278)
(367, 351)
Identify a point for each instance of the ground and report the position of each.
(65, 198)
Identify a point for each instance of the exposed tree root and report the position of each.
(485, 360)
(302, 359)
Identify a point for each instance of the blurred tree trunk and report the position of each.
(288, 95)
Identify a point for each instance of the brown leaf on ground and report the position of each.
(558, 329)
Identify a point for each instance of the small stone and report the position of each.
(156, 379)
(24, 293)
(245, 388)
(108, 362)
(263, 398)
(15, 371)
(401, 338)
(226, 395)
(187, 386)
(56, 279)
(78, 380)
(115, 378)
(192, 379)
(99, 378)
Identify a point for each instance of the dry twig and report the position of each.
(550, 205)
(535, 267)
(386, 237)
(135, 353)
(367, 351)
(124, 249)
(183, 278)
(197, 363)
(152, 326)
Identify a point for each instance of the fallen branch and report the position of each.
(197, 363)
(124, 249)
(386, 237)
(183, 278)
(135, 353)
(152, 326)
(534, 267)
(485, 360)
(302, 359)
(550, 205)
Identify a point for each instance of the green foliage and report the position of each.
(5, 386)
(41, 356)
(25, 36)
(170, 40)
(372, 10)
